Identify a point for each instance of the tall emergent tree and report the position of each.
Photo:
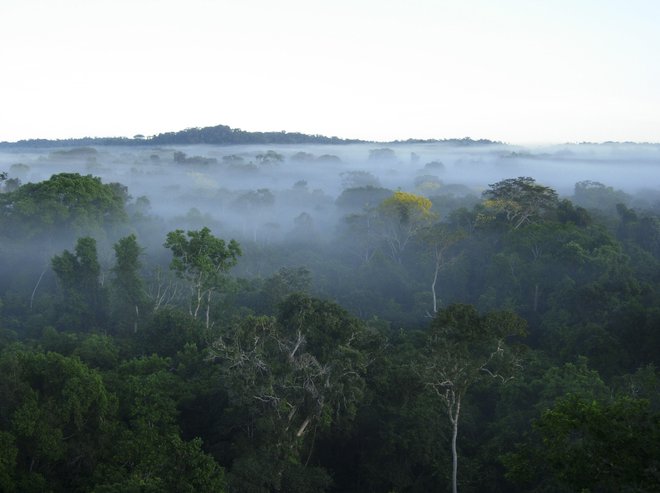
(201, 259)
(520, 199)
(464, 348)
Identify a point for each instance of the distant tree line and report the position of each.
(223, 135)
(217, 135)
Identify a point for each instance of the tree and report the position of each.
(83, 295)
(8, 453)
(382, 154)
(66, 203)
(595, 195)
(362, 198)
(360, 234)
(402, 216)
(254, 205)
(284, 282)
(290, 376)
(128, 293)
(144, 450)
(269, 157)
(520, 199)
(440, 240)
(464, 348)
(56, 409)
(202, 260)
(590, 445)
(359, 179)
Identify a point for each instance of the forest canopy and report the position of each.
(308, 319)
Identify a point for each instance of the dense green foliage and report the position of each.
(347, 366)
(66, 203)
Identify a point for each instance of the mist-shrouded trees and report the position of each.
(402, 216)
(382, 154)
(520, 200)
(281, 284)
(361, 198)
(359, 179)
(67, 203)
(83, 297)
(440, 241)
(255, 205)
(202, 260)
(128, 296)
(103, 390)
(464, 348)
(595, 195)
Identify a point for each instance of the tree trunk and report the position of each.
(435, 280)
(303, 427)
(35, 287)
(454, 452)
(208, 309)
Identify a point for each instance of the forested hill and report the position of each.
(219, 135)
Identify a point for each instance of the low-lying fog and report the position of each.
(266, 192)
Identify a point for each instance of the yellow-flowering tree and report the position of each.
(403, 216)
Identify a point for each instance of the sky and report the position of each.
(518, 71)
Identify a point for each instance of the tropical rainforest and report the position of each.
(340, 316)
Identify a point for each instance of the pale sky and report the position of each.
(520, 71)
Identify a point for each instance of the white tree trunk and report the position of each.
(435, 279)
(454, 452)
